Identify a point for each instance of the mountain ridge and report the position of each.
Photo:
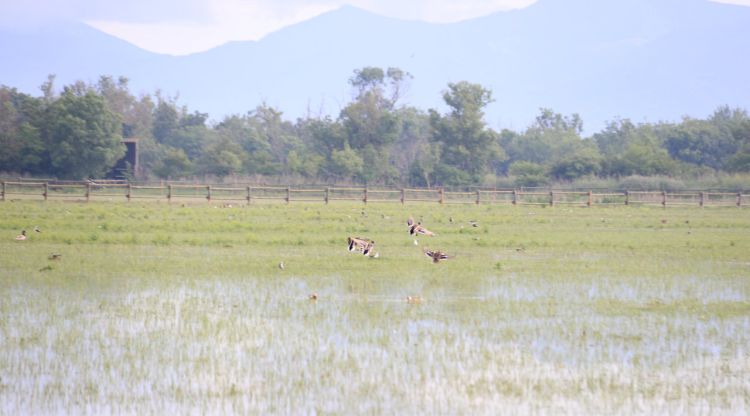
(647, 61)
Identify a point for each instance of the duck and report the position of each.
(365, 245)
(414, 299)
(436, 255)
(21, 236)
(417, 228)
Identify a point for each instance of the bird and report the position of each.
(54, 256)
(474, 223)
(313, 296)
(416, 228)
(414, 299)
(436, 255)
(37, 229)
(365, 245)
(281, 265)
(21, 236)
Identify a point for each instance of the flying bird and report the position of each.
(416, 228)
(365, 245)
(436, 255)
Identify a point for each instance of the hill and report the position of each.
(644, 60)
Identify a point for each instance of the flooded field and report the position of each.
(200, 309)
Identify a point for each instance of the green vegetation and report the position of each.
(155, 308)
(374, 140)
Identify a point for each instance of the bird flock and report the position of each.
(362, 245)
(366, 246)
(52, 256)
(23, 236)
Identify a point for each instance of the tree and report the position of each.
(174, 164)
(345, 164)
(374, 80)
(307, 164)
(586, 161)
(528, 174)
(551, 137)
(467, 145)
(630, 149)
(739, 162)
(21, 146)
(166, 119)
(413, 144)
(82, 135)
(221, 158)
(422, 171)
(261, 135)
(370, 122)
(191, 139)
(700, 142)
(367, 79)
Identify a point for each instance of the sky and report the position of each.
(181, 27)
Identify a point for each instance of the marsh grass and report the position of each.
(156, 308)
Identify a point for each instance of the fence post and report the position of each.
(248, 196)
(702, 199)
(364, 199)
(46, 190)
(130, 190)
(403, 195)
(478, 195)
(326, 196)
(588, 203)
(442, 195)
(208, 193)
(2, 195)
(515, 197)
(88, 191)
(627, 197)
(739, 199)
(288, 195)
(551, 198)
(169, 193)
(664, 199)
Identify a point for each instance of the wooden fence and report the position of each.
(88, 191)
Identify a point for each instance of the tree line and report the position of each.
(76, 133)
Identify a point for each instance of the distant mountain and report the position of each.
(647, 60)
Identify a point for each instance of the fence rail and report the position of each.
(88, 191)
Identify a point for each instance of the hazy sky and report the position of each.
(185, 26)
